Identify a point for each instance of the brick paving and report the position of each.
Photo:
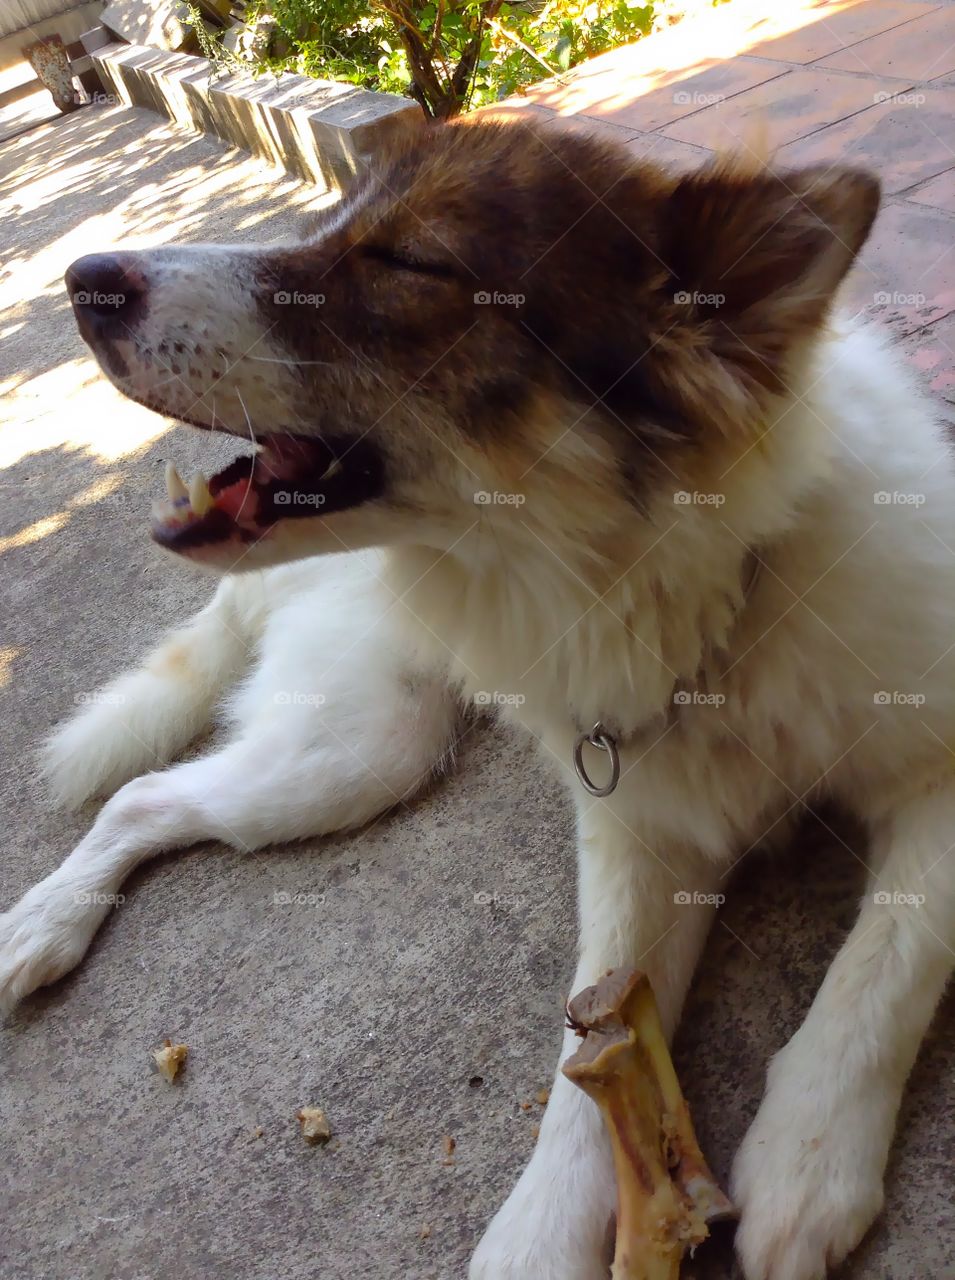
(868, 82)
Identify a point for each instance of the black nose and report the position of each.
(108, 292)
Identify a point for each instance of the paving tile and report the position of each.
(519, 108)
(938, 193)
(789, 107)
(906, 139)
(515, 108)
(642, 102)
(679, 156)
(838, 26)
(932, 352)
(905, 274)
(590, 125)
(920, 50)
(650, 146)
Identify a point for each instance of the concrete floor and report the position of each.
(396, 1001)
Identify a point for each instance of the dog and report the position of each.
(537, 418)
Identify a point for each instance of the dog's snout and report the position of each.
(107, 291)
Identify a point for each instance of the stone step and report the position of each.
(17, 82)
(319, 130)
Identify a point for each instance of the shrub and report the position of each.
(449, 55)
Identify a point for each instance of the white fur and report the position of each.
(356, 668)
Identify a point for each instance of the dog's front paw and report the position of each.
(808, 1177)
(554, 1225)
(532, 1238)
(43, 937)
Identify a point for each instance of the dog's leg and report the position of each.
(553, 1226)
(808, 1176)
(299, 771)
(145, 717)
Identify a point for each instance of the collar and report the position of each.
(680, 695)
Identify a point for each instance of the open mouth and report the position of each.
(291, 477)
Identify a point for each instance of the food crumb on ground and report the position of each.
(542, 1097)
(315, 1126)
(169, 1059)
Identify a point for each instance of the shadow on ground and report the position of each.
(398, 1001)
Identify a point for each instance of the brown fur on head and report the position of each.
(601, 250)
(494, 296)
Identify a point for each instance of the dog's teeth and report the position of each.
(174, 484)
(332, 469)
(200, 499)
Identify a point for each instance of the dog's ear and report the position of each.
(755, 257)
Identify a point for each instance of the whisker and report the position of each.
(255, 445)
(225, 361)
(294, 364)
(164, 382)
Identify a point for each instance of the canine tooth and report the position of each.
(332, 469)
(200, 499)
(175, 486)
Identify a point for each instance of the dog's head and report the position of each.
(500, 324)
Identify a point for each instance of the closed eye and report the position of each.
(399, 262)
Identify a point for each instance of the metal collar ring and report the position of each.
(597, 737)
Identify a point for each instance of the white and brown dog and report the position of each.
(536, 419)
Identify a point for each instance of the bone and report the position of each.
(666, 1194)
(175, 487)
(200, 499)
